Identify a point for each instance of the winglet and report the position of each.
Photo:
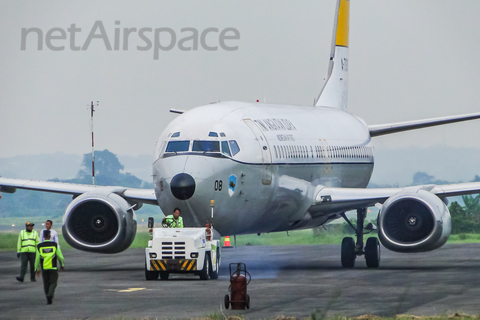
(335, 89)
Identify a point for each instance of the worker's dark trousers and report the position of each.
(27, 257)
(50, 278)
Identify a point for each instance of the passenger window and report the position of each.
(206, 146)
(225, 148)
(234, 147)
(177, 146)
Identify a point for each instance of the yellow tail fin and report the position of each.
(334, 93)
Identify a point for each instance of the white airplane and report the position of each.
(269, 168)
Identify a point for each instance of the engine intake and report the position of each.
(99, 222)
(414, 222)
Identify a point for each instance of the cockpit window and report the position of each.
(206, 146)
(234, 147)
(176, 134)
(226, 149)
(213, 134)
(177, 146)
(222, 134)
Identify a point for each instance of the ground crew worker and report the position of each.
(26, 248)
(46, 260)
(53, 233)
(174, 220)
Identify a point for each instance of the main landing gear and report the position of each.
(350, 249)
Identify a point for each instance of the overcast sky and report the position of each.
(409, 59)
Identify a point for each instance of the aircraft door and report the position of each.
(327, 156)
(326, 151)
(265, 149)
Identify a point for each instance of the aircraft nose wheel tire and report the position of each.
(348, 252)
(372, 252)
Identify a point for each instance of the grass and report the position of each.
(318, 316)
(8, 239)
(7, 222)
(20, 221)
(464, 238)
(300, 237)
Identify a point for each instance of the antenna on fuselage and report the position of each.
(92, 110)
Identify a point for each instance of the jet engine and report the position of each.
(414, 222)
(99, 222)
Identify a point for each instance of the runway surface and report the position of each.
(286, 280)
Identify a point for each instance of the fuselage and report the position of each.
(259, 163)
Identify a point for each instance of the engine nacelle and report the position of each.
(414, 222)
(99, 222)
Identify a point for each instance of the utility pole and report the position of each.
(92, 110)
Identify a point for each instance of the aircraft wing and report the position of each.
(344, 199)
(382, 129)
(136, 195)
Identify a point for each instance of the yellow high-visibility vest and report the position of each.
(27, 241)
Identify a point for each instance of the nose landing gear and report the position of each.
(350, 249)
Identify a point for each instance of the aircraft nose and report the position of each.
(182, 186)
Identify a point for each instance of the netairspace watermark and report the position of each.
(144, 39)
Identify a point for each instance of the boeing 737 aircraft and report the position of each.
(269, 168)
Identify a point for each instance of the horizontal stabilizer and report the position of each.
(389, 128)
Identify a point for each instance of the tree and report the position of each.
(108, 171)
(462, 221)
(472, 206)
(420, 178)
